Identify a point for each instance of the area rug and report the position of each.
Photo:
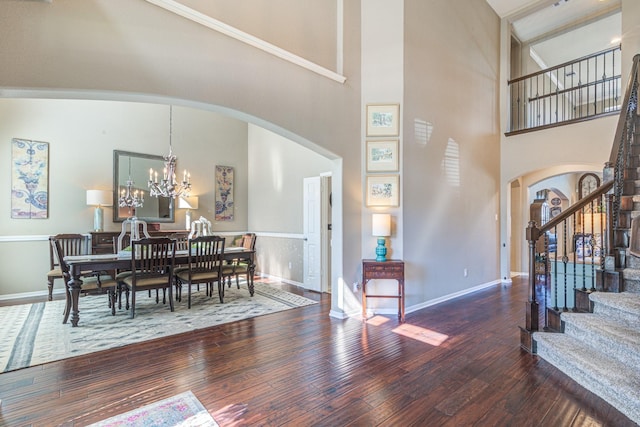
(180, 410)
(32, 334)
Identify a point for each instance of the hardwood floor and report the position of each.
(456, 363)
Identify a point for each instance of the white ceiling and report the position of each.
(562, 30)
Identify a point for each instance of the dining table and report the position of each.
(122, 262)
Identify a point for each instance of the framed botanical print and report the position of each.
(382, 156)
(383, 120)
(383, 190)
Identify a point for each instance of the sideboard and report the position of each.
(102, 241)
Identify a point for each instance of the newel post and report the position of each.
(531, 306)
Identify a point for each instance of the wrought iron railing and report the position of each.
(592, 235)
(567, 93)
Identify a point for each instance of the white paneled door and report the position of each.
(312, 234)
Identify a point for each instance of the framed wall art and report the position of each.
(382, 156)
(383, 190)
(29, 179)
(383, 120)
(224, 193)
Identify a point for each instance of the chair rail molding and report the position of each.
(219, 26)
(24, 238)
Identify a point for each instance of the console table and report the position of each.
(390, 269)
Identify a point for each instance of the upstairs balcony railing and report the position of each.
(567, 93)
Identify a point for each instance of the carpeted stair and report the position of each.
(601, 350)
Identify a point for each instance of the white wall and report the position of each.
(450, 212)
(276, 168)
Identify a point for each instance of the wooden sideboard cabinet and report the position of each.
(102, 241)
(391, 269)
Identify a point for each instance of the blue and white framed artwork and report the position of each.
(29, 179)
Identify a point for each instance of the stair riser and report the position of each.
(614, 313)
(615, 349)
(593, 383)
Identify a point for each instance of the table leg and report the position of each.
(401, 304)
(75, 284)
(252, 270)
(364, 300)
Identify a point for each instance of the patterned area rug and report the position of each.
(180, 410)
(33, 334)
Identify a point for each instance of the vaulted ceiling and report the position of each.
(561, 30)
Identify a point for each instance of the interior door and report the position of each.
(312, 234)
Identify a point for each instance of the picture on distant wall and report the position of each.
(224, 193)
(382, 156)
(29, 179)
(383, 190)
(383, 120)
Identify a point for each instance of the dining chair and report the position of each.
(94, 284)
(152, 263)
(204, 266)
(70, 244)
(240, 265)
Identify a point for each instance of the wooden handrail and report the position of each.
(564, 64)
(562, 216)
(617, 140)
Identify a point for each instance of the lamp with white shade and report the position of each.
(188, 203)
(99, 198)
(381, 228)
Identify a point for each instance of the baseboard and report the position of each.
(44, 293)
(444, 298)
(287, 281)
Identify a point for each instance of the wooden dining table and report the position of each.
(107, 262)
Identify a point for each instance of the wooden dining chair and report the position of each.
(152, 263)
(70, 244)
(204, 266)
(241, 265)
(93, 284)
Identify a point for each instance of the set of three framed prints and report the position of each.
(383, 129)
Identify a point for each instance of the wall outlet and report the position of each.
(290, 265)
(465, 272)
(356, 286)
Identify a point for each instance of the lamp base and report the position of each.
(187, 217)
(98, 219)
(381, 250)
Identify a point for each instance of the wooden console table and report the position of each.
(391, 269)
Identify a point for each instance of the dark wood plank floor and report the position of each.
(454, 364)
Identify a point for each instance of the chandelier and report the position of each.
(168, 186)
(130, 198)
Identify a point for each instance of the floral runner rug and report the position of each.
(183, 410)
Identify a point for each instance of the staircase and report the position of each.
(597, 341)
(600, 350)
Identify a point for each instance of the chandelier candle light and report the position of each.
(129, 199)
(99, 198)
(381, 228)
(168, 186)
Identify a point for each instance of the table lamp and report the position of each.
(188, 203)
(381, 228)
(99, 198)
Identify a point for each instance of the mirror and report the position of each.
(135, 165)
